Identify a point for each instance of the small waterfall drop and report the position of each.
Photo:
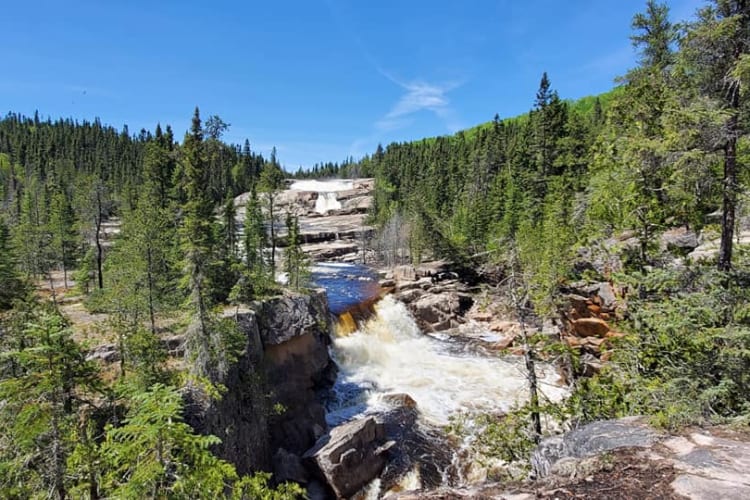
(326, 202)
(386, 364)
(327, 192)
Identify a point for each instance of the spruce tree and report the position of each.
(271, 182)
(198, 240)
(62, 227)
(155, 454)
(40, 407)
(714, 53)
(295, 261)
(11, 285)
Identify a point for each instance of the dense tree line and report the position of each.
(64, 430)
(667, 148)
(663, 149)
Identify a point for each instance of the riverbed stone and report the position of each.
(592, 439)
(350, 456)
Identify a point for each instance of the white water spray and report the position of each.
(326, 202)
(327, 197)
(390, 355)
(322, 186)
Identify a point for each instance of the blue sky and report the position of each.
(319, 79)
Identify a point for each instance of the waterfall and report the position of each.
(326, 202)
(327, 199)
(381, 353)
(390, 355)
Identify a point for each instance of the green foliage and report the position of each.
(508, 437)
(11, 285)
(44, 372)
(296, 263)
(155, 454)
(686, 360)
(271, 182)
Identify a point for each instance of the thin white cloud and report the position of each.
(419, 96)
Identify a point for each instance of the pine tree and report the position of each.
(155, 454)
(62, 226)
(40, 407)
(271, 182)
(11, 285)
(654, 36)
(229, 227)
(255, 236)
(158, 168)
(141, 275)
(295, 261)
(714, 52)
(198, 241)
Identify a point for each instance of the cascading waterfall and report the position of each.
(390, 355)
(381, 352)
(326, 202)
(327, 199)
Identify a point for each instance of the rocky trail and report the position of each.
(627, 459)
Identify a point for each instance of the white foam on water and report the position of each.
(322, 186)
(390, 354)
(326, 202)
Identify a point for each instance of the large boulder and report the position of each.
(440, 311)
(592, 439)
(351, 455)
(679, 240)
(107, 353)
(590, 327)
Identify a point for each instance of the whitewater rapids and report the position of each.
(327, 199)
(390, 355)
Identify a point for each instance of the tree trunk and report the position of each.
(58, 459)
(536, 420)
(729, 198)
(273, 235)
(99, 250)
(149, 259)
(64, 266)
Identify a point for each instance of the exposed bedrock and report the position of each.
(271, 401)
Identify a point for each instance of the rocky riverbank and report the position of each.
(626, 459)
(332, 217)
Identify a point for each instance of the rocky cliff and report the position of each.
(270, 412)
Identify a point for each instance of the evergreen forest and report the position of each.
(143, 226)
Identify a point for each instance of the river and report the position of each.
(388, 354)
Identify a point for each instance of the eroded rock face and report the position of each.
(706, 463)
(271, 399)
(590, 440)
(294, 331)
(352, 455)
(239, 418)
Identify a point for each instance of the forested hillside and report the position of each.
(591, 190)
(70, 427)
